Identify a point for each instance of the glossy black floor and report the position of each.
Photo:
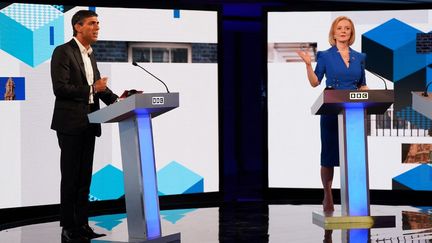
(247, 222)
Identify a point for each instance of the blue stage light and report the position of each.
(357, 166)
(148, 170)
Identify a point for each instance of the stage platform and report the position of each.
(251, 222)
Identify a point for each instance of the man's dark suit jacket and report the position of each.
(72, 91)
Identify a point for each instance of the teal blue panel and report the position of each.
(32, 16)
(108, 222)
(173, 218)
(175, 215)
(418, 178)
(42, 47)
(107, 184)
(16, 40)
(174, 178)
(197, 188)
(406, 61)
(393, 34)
(59, 8)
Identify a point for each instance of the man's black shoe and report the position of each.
(73, 236)
(88, 232)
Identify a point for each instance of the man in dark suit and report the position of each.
(78, 87)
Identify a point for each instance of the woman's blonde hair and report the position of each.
(331, 38)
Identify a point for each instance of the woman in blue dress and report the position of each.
(344, 68)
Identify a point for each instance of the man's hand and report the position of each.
(100, 85)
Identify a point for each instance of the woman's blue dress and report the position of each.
(338, 76)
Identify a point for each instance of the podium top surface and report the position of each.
(419, 95)
(422, 104)
(151, 103)
(334, 101)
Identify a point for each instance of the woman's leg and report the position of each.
(327, 179)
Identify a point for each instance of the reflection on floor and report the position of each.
(247, 222)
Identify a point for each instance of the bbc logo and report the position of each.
(358, 96)
(158, 100)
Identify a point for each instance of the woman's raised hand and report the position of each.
(305, 57)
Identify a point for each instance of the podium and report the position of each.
(422, 104)
(352, 106)
(134, 116)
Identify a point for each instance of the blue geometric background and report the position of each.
(111, 221)
(395, 44)
(416, 118)
(30, 32)
(107, 184)
(175, 215)
(172, 179)
(391, 50)
(418, 179)
(175, 178)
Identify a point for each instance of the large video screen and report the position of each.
(178, 46)
(398, 48)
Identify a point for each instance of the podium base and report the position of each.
(173, 238)
(335, 220)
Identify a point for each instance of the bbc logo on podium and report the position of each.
(358, 96)
(158, 100)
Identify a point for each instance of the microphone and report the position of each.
(136, 64)
(425, 93)
(385, 84)
(377, 75)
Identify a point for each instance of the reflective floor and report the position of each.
(247, 222)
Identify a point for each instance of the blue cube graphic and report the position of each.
(391, 50)
(175, 178)
(175, 215)
(30, 32)
(108, 222)
(107, 184)
(417, 179)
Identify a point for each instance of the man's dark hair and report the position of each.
(79, 16)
